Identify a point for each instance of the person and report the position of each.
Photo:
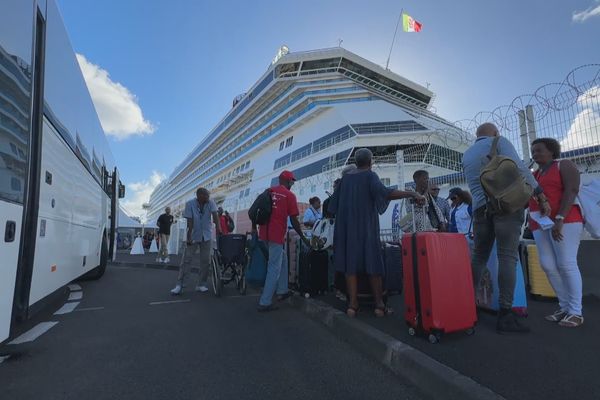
(326, 213)
(426, 216)
(164, 223)
(312, 213)
(198, 213)
(489, 226)
(274, 235)
(357, 204)
(558, 246)
(461, 213)
(223, 222)
(434, 191)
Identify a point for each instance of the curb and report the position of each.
(433, 378)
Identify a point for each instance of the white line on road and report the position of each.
(74, 287)
(154, 303)
(67, 308)
(75, 296)
(2, 358)
(34, 332)
(90, 309)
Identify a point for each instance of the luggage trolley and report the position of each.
(229, 262)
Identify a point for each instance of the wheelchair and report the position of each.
(229, 263)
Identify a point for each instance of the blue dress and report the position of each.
(357, 204)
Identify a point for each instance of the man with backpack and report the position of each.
(271, 211)
(501, 186)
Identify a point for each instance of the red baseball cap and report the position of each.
(287, 175)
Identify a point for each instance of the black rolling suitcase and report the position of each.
(313, 271)
(392, 259)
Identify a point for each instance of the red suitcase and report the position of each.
(438, 284)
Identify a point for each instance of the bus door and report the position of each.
(18, 68)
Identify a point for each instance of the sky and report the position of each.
(162, 73)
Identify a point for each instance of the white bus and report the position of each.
(59, 185)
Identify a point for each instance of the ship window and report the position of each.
(241, 194)
(247, 192)
(247, 164)
(289, 141)
(15, 184)
(281, 145)
(319, 64)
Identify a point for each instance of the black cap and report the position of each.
(456, 191)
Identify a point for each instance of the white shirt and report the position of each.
(463, 219)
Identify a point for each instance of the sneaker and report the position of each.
(556, 316)
(176, 291)
(167, 260)
(571, 321)
(509, 323)
(201, 289)
(270, 307)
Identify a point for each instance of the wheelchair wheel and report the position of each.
(217, 283)
(241, 284)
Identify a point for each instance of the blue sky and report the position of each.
(183, 61)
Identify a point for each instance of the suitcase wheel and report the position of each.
(470, 331)
(433, 339)
(412, 331)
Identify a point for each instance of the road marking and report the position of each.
(2, 358)
(90, 309)
(67, 308)
(34, 332)
(154, 303)
(240, 296)
(74, 287)
(75, 296)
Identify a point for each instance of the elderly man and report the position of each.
(357, 204)
(164, 223)
(489, 226)
(198, 213)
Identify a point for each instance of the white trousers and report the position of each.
(559, 261)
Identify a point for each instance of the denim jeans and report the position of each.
(277, 274)
(559, 262)
(506, 231)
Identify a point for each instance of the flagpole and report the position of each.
(387, 64)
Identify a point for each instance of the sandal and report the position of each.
(352, 311)
(557, 316)
(383, 311)
(571, 321)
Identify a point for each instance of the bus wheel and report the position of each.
(97, 272)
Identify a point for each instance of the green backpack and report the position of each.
(506, 189)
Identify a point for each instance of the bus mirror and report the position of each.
(121, 190)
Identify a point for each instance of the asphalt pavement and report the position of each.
(127, 340)
(550, 363)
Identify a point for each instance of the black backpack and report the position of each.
(260, 210)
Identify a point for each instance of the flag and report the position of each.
(410, 24)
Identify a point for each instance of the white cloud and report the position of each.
(118, 108)
(582, 16)
(138, 193)
(585, 128)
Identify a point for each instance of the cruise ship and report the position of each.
(308, 113)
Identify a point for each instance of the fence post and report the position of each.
(524, 141)
(530, 124)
